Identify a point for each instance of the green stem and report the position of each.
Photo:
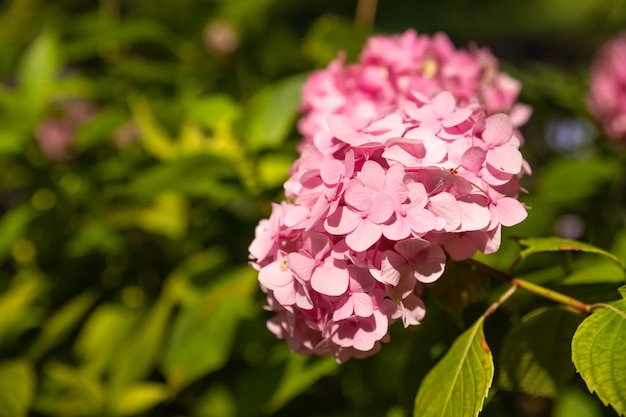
(534, 288)
(552, 295)
(499, 301)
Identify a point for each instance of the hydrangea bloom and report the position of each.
(373, 214)
(607, 94)
(391, 67)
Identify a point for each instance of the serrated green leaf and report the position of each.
(202, 336)
(622, 291)
(459, 286)
(17, 385)
(272, 113)
(460, 382)
(599, 355)
(536, 353)
(555, 244)
(300, 373)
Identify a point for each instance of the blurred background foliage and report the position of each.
(141, 142)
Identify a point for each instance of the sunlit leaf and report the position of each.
(459, 383)
(301, 372)
(61, 323)
(38, 69)
(138, 398)
(272, 114)
(599, 355)
(167, 217)
(459, 286)
(105, 330)
(202, 336)
(16, 306)
(154, 139)
(536, 353)
(555, 244)
(214, 110)
(17, 386)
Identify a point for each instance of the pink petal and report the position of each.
(382, 208)
(359, 196)
(506, 159)
(510, 211)
(342, 221)
(474, 212)
(372, 175)
(456, 118)
(391, 265)
(331, 278)
(444, 104)
(364, 236)
(363, 306)
(498, 129)
(473, 159)
(301, 265)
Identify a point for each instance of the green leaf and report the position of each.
(565, 182)
(13, 226)
(63, 321)
(272, 113)
(535, 245)
(17, 386)
(459, 286)
(203, 335)
(214, 110)
(622, 291)
(576, 401)
(460, 382)
(16, 306)
(599, 355)
(138, 398)
(138, 354)
(301, 372)
(106, 329)
(38, 70)
(66, 391)
(536, 353)
(153, 137)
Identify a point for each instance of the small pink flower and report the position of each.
(607, 93)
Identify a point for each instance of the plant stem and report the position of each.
(366, 12)
(534, 288)
(499, 301)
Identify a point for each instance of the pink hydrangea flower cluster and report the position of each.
(607, 93)
(391, 66)
(375, 206)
